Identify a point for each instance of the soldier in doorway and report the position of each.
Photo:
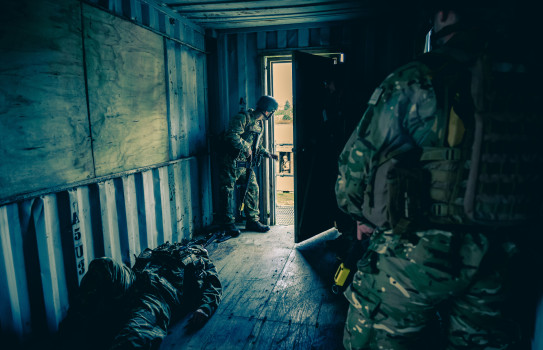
(244, 130)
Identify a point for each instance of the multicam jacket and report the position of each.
(131, 308)
(242, 130)
(188, 269)
(435, 139)
(403, 114)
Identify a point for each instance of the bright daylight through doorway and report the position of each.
(283, 130)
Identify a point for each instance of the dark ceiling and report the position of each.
(214, 14)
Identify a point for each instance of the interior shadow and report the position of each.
(318, 254)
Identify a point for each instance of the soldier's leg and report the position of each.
(251, 207)
(477, 320)
(386, 311)
(401, 283)
(147, 324)
(227, 181)
(251, 199)
(358, 330)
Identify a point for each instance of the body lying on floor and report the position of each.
(118, 307)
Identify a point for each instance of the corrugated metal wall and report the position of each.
(48, 241)
(48, 237)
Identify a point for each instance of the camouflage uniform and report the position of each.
(132, 307)
(239, 140)
(405, 278)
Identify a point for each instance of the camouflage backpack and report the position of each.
(488, 169)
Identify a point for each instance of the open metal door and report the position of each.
(314, 199)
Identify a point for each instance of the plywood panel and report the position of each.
(44, 129)
(127, 93)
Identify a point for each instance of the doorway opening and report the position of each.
(301, 183)
(280, 86)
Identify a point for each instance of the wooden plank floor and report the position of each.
(277, 295)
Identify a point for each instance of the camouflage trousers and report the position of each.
(228, 177)
(437, 290)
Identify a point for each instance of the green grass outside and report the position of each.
(285, 198)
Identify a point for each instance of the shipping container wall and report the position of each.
(103, 137)
(48, 241)
(372, 48)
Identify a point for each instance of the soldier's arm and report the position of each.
(401, 113)
(235, 129)
(393, 113)
(353, 164)
(262, 150)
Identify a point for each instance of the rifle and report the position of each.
(250, 164)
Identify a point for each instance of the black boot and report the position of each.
(231, 230)
(256, 226)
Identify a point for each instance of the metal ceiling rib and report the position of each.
(249, 13)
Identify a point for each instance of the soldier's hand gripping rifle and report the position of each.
(249, 165)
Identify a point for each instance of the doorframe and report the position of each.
(269, 186)
(267, 197)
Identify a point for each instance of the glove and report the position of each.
(273, 156)
(198, 319)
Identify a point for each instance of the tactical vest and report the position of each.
(487, 170)
(224, 147)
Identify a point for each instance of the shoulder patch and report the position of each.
(375, 96)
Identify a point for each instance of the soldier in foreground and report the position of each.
(243, 134)
(118, 307)
(444, 170)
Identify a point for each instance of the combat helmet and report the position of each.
(267, 104)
